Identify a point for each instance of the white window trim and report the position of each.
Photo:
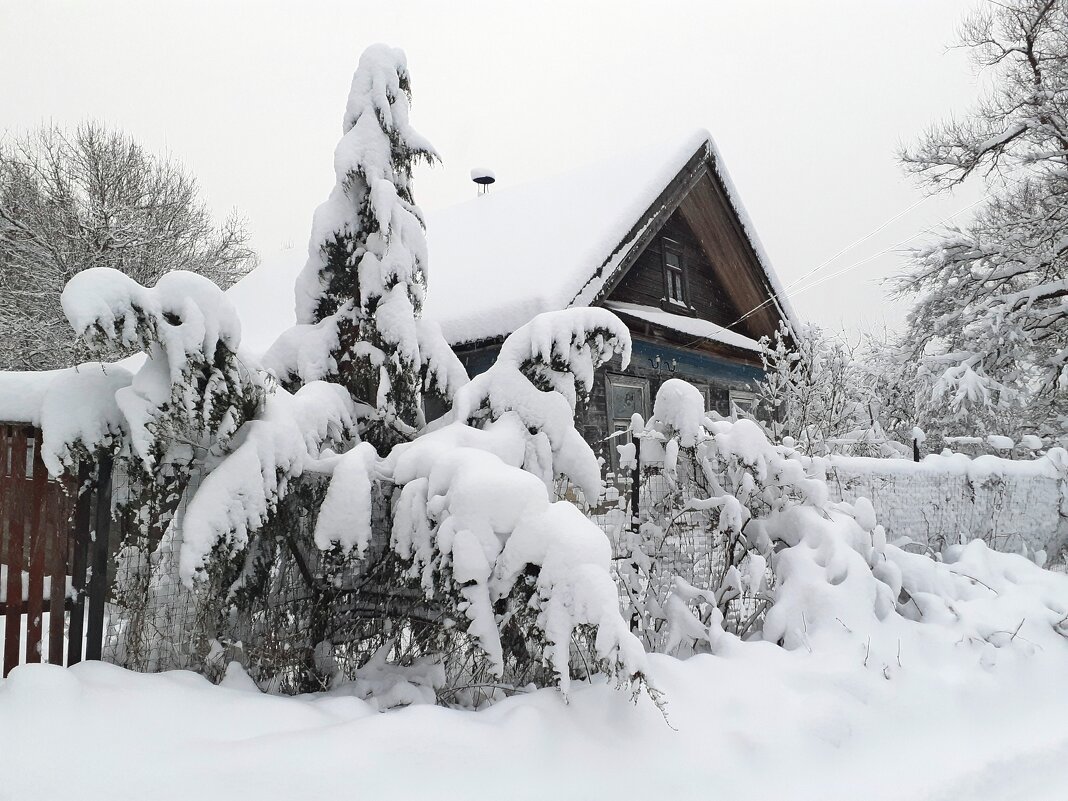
(742, 400)
(616, 423)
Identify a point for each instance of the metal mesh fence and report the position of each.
(155, 622)
(662, 543)
(295, 617)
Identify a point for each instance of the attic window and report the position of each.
(674, 272)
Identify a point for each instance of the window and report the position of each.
(674, 273)
(626, 397)
(743, 404)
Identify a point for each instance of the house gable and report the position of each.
(731, 255)
(706, 294)
(726, 279)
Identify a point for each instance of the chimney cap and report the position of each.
(483, 176)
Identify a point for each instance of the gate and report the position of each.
(53, 554)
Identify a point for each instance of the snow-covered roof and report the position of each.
(498, 260)
(692, 326)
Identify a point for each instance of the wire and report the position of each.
(851, 267)
(929, 229)
(864, 238)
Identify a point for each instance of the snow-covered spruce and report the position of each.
(362, 288)
(194, 404)
(473, 524)
(193, 391)
(543, 369)
(241, 493)
(181, 409)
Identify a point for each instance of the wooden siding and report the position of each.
(705, 292)
(707, 212)
(711, 373)
(725, 279)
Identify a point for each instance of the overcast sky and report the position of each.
(806, 100)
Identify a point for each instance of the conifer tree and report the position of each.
(362, 288)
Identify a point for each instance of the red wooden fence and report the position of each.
(47, 540)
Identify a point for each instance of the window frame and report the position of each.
(669, 245)
(614, 421)
(737, 397)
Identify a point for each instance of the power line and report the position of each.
(852, 245)
(851, 267)
(929, 229)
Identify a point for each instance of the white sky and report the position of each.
(807, 102)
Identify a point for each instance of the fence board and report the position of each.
(6, 499)
(82, 523)
(14, 513)
(58, 527)
(36, 528)
(98, 582)
(45, 529)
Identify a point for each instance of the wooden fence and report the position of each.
(54, 537)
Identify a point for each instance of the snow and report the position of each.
(1000, 443)
(580, 338)
(79, 411)
(757, 723)
(1031, 442)
(1052, 464)
(535, 247)
(22, 394)
(345, 514)
(235, 498)
(681, 407)
(303, 351)
(46, 588)
(694, 326)
(189, 313)
(526, 248)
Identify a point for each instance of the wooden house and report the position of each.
(659, 237)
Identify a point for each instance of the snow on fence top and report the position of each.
(497, 261)
(1010, 504)
(22, 394)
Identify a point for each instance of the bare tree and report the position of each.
(990, 325)
(93, 197)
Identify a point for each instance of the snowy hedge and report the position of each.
(821, 574)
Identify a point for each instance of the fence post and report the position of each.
(98, 581)
(635, 483)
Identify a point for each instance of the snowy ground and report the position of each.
(759, 723)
